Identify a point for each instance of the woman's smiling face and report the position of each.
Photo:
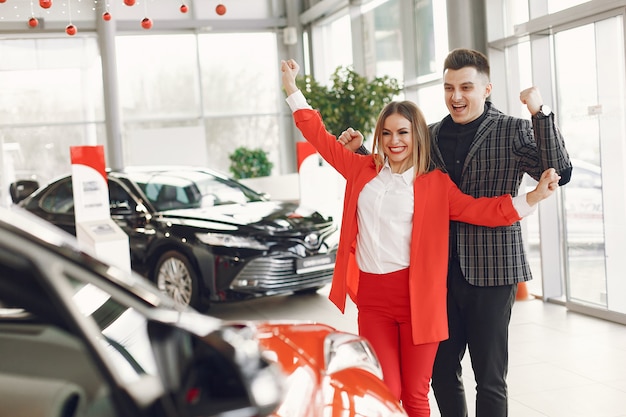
(397, 142)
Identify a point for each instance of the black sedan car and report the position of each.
(201, 236)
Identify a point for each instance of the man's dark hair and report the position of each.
(461, 58)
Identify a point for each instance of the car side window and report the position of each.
(60, 199)
(120, 202)
(150, 190)
(166, 196)
(124, 330)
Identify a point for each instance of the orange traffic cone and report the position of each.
(522, 292)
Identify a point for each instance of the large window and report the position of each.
(185, 99)
(158, 77)
(240, 94)
(385, 51)
(431, 37)
(51, 99)
(193, 99)
(582, 231)
(331, 45)
(594, 202)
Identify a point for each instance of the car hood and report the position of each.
(269, 215)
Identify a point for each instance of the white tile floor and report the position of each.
(562, 364)
(565, 364)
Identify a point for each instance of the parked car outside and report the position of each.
(584, 213)
(81, 338)
(201, 236)
(582, 207)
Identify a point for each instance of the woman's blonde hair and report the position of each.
(421, 136)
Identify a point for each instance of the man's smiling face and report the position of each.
(466, 91)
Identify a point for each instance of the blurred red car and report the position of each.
(329, 373)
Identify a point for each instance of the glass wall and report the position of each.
(202, 100)
(331, 45)
(191, 89)
(516, 12)
(52, 98)
(184, 99)
(384, 53)
(240, 99)
(424, 84)
(595, 129)
(583, 233)
(406, 40)
(558, 5)
(158, 77)
(431, 37)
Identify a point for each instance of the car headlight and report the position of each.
(345, 350)
(230, 241)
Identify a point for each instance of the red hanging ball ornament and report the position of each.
(129, 2)
(32, 22)
(184, 8)
(45, 3)
(3, 1)
(220, 9)
(71, 29)
(106, 16)
(146, 23)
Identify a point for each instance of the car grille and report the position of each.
(277, 274)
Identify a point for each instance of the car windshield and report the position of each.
(193, 189)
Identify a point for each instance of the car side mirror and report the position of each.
(217, 374)
(21, 189)
(121, 208)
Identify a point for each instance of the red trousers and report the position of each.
(385, 321)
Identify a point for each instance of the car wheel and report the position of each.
(175, 276)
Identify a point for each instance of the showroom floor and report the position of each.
(562, 364)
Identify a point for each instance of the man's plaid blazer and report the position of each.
(503, 149)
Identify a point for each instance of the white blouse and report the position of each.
(385, 219)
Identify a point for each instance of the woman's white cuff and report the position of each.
(297, 101)
(521, 205)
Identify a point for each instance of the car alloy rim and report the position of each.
(174, 280)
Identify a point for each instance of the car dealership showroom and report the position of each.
(168, 237)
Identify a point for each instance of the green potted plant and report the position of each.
(250, 163)
(351, 100)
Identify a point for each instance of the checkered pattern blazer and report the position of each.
(503, 149)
